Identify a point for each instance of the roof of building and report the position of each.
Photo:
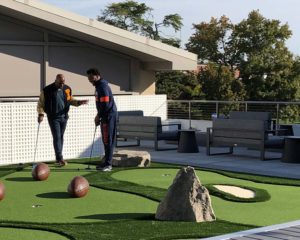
(154, 55)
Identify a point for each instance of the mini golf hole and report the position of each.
(166, 175)
(36, 205)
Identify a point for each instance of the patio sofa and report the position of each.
(243, 133)
(264, 116)
(145, 128)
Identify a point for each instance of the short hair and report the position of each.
(59, 75)
(93, 71)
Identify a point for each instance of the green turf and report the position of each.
(48, 201)
(274, 211)
(28, 234)
(147, 229)
(131, 216)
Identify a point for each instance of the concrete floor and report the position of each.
(242, 160)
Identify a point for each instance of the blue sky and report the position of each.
(196, 11)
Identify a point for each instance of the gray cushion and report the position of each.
(274, 142)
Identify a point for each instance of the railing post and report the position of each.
(217, 109)
(246, 107)
(190, 115)
(277, 116)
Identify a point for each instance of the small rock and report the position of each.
(128, 158)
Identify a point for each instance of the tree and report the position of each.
(178, 85)
(256, 49)
(136, 17)
(212, 41)
(264, 61)
(219, 83)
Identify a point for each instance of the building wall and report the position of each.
(142, 81)
(74, 61)
(30, 58)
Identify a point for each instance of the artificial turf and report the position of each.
(275, 210)
(128, 211)
(49, 202)
(28, 234)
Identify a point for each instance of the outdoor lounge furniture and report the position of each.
(187, 141)
(145, 128)
(264, 116)
(291, 149)
(128, 113)
(242, 133)
(131, 113)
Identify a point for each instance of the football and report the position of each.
(40, 172)
(2, 191)
(78, 187)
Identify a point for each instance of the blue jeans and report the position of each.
(58, 127)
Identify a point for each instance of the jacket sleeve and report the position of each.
(103, 102)
(41, 104)
(74, 102)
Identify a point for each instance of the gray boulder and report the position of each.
(128, 158)
(186, 200)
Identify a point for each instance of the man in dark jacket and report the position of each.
(55, 101)
(106, 116)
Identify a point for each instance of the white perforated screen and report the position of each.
(18, 128)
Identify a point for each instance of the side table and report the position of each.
(291, 149)
(187, 141)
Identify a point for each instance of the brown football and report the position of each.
(78, 187)
(40, 172)
(2, 191)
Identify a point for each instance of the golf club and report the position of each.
(36, 143)
(89, 168)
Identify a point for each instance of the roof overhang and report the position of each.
(154, 55)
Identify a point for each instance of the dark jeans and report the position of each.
(108, 131)
(58, 127)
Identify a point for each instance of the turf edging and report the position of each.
(150, 229)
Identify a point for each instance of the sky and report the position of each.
(197, 11)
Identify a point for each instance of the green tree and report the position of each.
(212, 41)
(178, 85)
(213, 44)
(254, 48)
(219, 83)
(136, 17)
(265, 63)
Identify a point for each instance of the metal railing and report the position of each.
(282, 112)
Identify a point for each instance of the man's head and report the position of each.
(93, 75)
(59, 81)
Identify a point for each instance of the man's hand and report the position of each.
(97, 120)
(40, 118)
(82, 102)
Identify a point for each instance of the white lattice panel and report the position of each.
(18, 128)
(6, 134)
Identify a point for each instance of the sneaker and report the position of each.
(107, 168)
(100, 166)
(62, 163)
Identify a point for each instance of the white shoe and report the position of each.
(107, 168)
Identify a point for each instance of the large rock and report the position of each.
(127, 158)
(186, 200)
